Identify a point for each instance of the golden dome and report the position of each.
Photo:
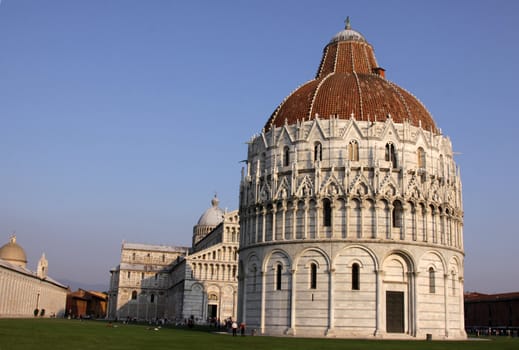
(13, 253)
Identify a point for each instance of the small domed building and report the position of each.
(24, 293)
(350, 210)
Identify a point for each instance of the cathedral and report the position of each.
(184, 285)
(350, 210)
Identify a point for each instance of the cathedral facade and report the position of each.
(351, 210)
(196, 284)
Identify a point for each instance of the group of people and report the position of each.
(233, 326)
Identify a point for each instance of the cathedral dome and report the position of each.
(212, 216)
(350, 84)
(13, 253)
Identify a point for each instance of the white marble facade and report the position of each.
(180, 283)
(351, 228)
(24, 293)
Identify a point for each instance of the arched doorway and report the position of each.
(398, 292)
(212, 307)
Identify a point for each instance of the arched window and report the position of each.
(142, 275)
(278, 277)
(313, 276)
(152, 298)
(432, 282)
(286, 156)
(318, 151)
(420, 154)
(133, 256)
(390, 154)
(128, 274)
(355, 278)
(353, 151)
(327, 213)
(134, 295)
(397, 214)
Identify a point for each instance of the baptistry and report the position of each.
(351, 218)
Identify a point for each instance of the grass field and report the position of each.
(27, 334)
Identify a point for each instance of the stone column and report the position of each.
(263, 297)
(292, 329)
(274, 212)
(379, 306)
(443, 227)
(245, 279)
(283, 220)
(347, 215)
(389, 234)
(446, 302)
(294, 219)
(412, 276)
(434, 226)
(462, 306)
(305, 221)
(414, 223)
(360, 234)
(425, 217)
(331, 304)
(256, 222)
(264, 226)
(376, 211)
(451, 240)
(405, 210)
(333, 207)
(318, 208)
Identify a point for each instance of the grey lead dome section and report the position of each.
(212, 216)
(348, 34)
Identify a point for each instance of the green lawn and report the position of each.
(58, 334)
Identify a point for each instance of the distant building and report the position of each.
(181, 284)
(491, 310)
(138, 286)
(24, 293)
(82, 303)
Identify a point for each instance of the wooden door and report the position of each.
(395, 312)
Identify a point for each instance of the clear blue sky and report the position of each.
(120, 119)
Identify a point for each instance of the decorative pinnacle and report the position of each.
(348, 24)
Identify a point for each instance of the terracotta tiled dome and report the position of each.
(350, 83)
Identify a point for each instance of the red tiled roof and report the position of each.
(346, 84)
(475, 297)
